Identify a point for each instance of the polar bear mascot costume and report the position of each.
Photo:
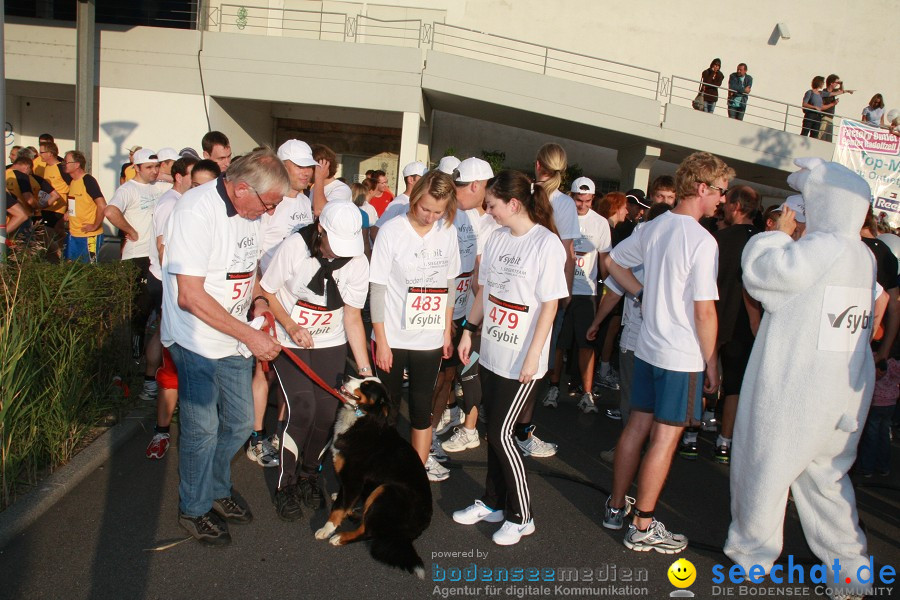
(810, 378)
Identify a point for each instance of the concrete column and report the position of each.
(275, 21)
(635, 162)
(85, 121)
(409, 144)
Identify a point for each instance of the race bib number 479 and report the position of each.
(506, 323)
(426, 308)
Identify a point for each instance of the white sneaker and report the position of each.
(449, 419)
(536, 447)
(462, 439)
(436, 471)
(436, 451)
(263, 454)
(477, 512)
(551, 400)
(586, 404)
(510, 533)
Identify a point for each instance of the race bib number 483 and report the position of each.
(506, 323)
(426, 308)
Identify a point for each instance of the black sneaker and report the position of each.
(310, 493)
(287, 503)
(723, 454)
(688, 450)
(232, 511)
(206, 529)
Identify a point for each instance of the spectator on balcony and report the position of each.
(739, 84)
(833, 87)
(712, 78)
(812, 108)
(873, 114)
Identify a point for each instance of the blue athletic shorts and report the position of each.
(84, 249)
(674, 397)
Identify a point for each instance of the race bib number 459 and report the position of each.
(426, 308)
(506, 323)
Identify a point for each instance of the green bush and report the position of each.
(63, 336)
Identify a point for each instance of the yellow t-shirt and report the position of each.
(39, 166)
(82, 208)
(60, 180)
(18, 183)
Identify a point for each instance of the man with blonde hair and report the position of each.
(675, 346)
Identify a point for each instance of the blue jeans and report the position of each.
(737, 112)
(875, 444)
(216, 418)
(709, 107)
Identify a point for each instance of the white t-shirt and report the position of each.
(288, 274)
(398, 206)
(466, 237)
(631, 311)
(290, 215)
(371, 212)
(595, 240)
(338, 191)
(164, 207)
(484, 224)
(680, 261)
(137, 202)
(206, 238)
(415, 270)
(565, 216)
(518, 275)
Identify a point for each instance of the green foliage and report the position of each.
(573, 172)
(495, 158)
(63, 335)
(450, 151)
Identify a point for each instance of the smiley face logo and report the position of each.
(682, 573)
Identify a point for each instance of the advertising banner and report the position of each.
(874, 154)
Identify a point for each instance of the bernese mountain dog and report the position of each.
(380, 469)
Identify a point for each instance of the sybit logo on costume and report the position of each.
(846, 319)
(851, 321)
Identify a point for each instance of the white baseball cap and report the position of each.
(447, 164)
(342, 222)
(414, 168)
(167, 154)
(583, 185)
(473, 169)
(297, 152)
(795, 203)
(145, 155)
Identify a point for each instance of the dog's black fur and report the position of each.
(379, 468)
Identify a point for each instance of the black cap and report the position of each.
(636, 196)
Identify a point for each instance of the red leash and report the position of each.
(269, 328)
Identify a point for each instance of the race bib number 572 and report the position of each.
(426, 308)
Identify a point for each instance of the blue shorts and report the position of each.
(674, 397)
(84, 249)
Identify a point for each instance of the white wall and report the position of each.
(147, 119)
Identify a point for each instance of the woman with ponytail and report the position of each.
(521, 282)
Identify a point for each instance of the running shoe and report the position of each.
(510, 533)
(587, 405)
(450, 418)
(435, 470)
(263, 454)
(723, 454)
(655, 538)
(688, 450)
(206, 529)
(310, 493)
(614, 518)
(231, 510)
(610, 381)
(476, 513)
(287, 503)
(551, 400)
(536, 447)
(461, 439)
(158, 446)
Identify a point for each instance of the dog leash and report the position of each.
(269, 327)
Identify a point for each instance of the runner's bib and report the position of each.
(426, 308)
(463, 283)
(71, 206)
(318, 320)
(506, 323)
(238, 290)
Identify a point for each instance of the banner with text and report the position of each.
(874, 154)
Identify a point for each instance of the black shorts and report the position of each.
(577, 321)
(734, 355)
(50, 218)
(155, 291)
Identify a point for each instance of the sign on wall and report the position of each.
(874, 154)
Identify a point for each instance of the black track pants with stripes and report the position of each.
(506, 486)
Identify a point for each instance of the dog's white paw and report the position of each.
(335, 540)
(325, 531)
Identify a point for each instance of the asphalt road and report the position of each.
(111, 536)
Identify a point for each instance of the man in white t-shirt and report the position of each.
(131, 211)
(593, 245)
(675, 347)
(209, 270)
(217, 148)
(400, 204)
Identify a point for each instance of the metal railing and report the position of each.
(545, 60)
(766, 112)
